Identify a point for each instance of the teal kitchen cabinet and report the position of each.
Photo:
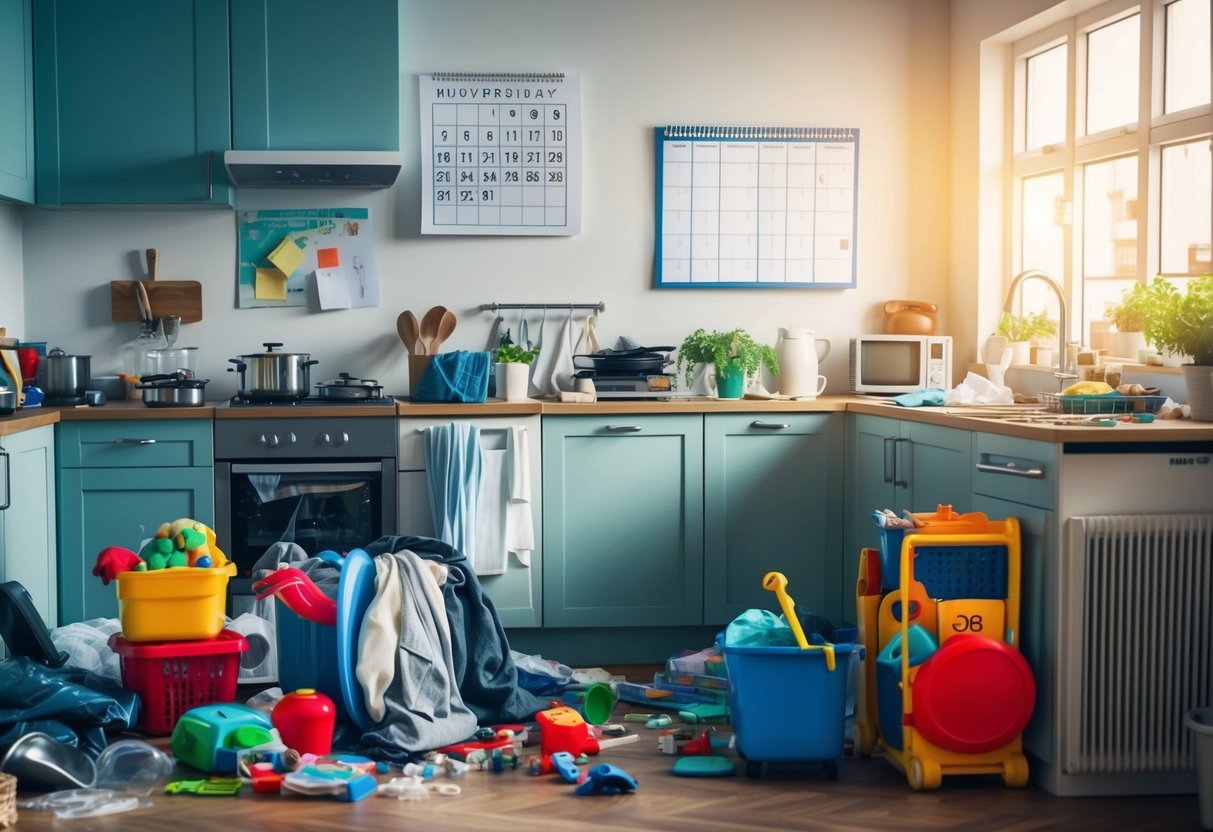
(517, 592)
(131, 101)
(901, 464)
(27, 526)
(773, 490)
(118, 482)
(623, 520)
(1020, 478)
(16, 101)
(315, 75)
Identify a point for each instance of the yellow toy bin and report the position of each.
(180, 603)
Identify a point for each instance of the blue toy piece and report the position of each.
(607, 779)
(562, 764)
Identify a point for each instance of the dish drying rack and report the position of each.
(1097, 404)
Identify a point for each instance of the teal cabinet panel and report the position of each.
(28, 544)
(132, 101)
(1038, 590)
(342, 57)
(517, 593)
(772, 493)
(136, 443)
(902, 465)
(16, 101)
(100, 507)
(623, 521)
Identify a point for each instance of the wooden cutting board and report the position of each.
(168, 297)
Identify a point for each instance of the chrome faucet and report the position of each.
(1061, 375)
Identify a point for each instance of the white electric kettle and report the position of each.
(799, 353)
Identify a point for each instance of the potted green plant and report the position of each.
(1130, 317)
(513, 369)
(1182, 322)
(1021, 330)
(735, 355)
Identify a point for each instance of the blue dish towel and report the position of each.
(930, 396)
(458, 376)
(453, 463)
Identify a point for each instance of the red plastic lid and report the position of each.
(974, 694)
(228, 641)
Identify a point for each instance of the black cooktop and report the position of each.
(313, 401)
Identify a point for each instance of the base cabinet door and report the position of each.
(623, 520)
(517, 593)
(772, 497)
(27, 526)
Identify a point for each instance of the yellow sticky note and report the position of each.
(270, 285)
(287, 256)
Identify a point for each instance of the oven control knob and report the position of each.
(345, 437)
(290, 438)
(327, 439)
(273, 440)
(261, 440)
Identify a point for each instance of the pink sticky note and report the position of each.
(327, 258)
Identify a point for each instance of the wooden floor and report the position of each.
(868, 794)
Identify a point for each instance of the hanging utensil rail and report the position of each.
(494, 307)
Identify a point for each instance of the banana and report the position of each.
(1087, 388)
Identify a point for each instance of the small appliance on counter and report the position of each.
(628, 374)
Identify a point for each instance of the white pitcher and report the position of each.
(799, 353)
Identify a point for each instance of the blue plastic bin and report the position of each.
(888, 679)
(785, 705)
(307, 656)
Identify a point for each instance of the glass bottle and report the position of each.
(135, 354)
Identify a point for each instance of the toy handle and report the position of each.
(777, 582)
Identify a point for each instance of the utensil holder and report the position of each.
(417, 367)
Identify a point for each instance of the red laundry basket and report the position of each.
(173, 676)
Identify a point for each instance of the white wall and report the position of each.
(12, 290)
(879, 65)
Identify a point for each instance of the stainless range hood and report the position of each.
(312, 168)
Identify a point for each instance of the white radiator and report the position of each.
(1136, 640)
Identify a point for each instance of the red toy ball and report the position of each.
(974, 694)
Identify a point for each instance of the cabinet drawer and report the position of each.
(1015, 469)
(140, 443)
(410, 440)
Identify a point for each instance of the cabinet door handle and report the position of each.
(134, 441)
(758, 424)
(624, 428)
(210, 179)
(8, 484)
(1010, 469)
(888, 477)
(898, 468)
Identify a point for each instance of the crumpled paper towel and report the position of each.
(976, 389)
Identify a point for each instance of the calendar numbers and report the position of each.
(523, 150)
(496, 165)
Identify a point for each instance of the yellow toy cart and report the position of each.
(950, 692)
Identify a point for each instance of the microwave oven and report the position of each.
(893, 364)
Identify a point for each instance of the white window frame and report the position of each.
(1144, 139)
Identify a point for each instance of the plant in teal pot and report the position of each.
(735, 355)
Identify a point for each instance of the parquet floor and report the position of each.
(868, 795)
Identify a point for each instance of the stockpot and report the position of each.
(273, 376)
(65, 375)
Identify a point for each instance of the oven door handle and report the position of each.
(307, 468)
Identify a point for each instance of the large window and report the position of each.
(1111, 128)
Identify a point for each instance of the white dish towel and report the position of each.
(519, 524)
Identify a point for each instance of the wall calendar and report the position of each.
(756, 206)
(500, 153)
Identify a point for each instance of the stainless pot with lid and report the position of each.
(347, 388)
(65, 375)
(273, 376)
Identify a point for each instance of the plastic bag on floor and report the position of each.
(87, 646)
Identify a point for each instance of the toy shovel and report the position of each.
(777, 582)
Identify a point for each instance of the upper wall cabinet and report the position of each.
(315, 75)
(16, 102)
(132, 101)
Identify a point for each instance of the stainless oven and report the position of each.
(320, 482)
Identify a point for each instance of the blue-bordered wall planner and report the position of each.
(756, 206)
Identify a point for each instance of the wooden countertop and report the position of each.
(988, 419)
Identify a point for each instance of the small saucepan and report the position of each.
(172, 390)
(347, 388)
